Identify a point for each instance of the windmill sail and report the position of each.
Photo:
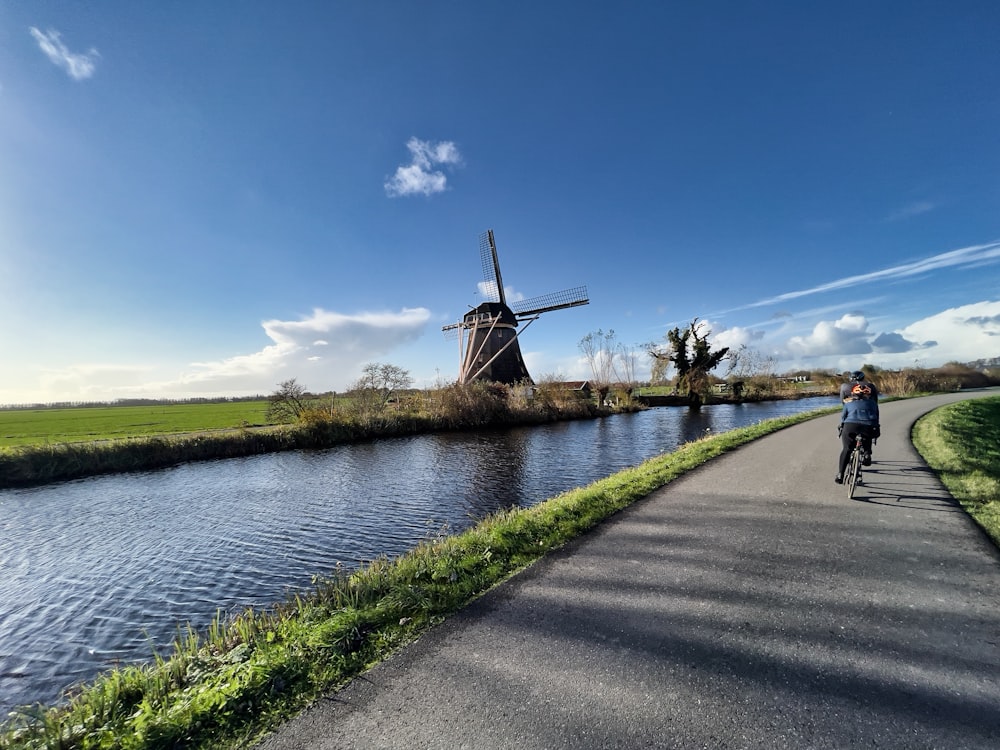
(488, 334)
(555, 301)
(492, 281)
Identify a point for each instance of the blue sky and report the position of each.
(202, 199)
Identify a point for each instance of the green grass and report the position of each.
(245, 676)
(25, 427)
(961, 442)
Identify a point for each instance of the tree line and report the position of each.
(686, 362)
(613, 364)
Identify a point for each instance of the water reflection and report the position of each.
(485, 471)
(101, 571)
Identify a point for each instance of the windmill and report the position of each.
(488, 334)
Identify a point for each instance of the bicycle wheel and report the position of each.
(853, 472)
(849, 475)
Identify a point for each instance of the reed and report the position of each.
(244, 676)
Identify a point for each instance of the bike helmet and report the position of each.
(857, 375)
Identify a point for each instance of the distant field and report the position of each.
(39, 426)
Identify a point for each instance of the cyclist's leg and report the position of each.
(846, 444)
(866, 446)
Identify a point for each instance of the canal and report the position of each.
(103, 571)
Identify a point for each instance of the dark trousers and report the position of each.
(847, 441)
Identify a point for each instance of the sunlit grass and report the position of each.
(961, 442)
(244, 676)
(25, 427)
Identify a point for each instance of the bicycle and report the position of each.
(852, 474)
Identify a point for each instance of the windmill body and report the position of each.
(491, 348)
(488, 334)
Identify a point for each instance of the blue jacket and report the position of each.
(862, 411)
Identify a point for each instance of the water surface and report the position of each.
(104, 570)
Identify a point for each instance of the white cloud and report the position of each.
(78, 66)
(419, 176)
(735, 337)
(848, 335)
(966, 257)
(488, 291)
(960, 334)
(913, 209)
(324, 351)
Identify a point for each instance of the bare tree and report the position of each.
(377, 386)
(745, 363)
(660, 369)
(611, 362)
(624, 363)
(598, 347)
(287, 403)
(750, 372)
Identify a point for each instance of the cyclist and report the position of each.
(859, 417)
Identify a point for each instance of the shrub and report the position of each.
(475, 404)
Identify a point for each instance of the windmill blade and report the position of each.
(492, 282)
(555, 301)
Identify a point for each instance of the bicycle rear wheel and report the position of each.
(853, 472)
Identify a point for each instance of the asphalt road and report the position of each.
(748, 605)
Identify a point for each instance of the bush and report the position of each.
(475, 404)
(950, 377)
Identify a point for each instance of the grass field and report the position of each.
(961, 442)
(80, 424)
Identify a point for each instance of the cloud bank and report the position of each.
(959, 334)
(420, 177)
(77, 66)
(324, 351)
(846, 336)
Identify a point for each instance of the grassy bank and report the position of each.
(40, 464)
(961, 442)
(458, 408)
(223, 688)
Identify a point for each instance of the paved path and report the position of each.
(748, 605)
